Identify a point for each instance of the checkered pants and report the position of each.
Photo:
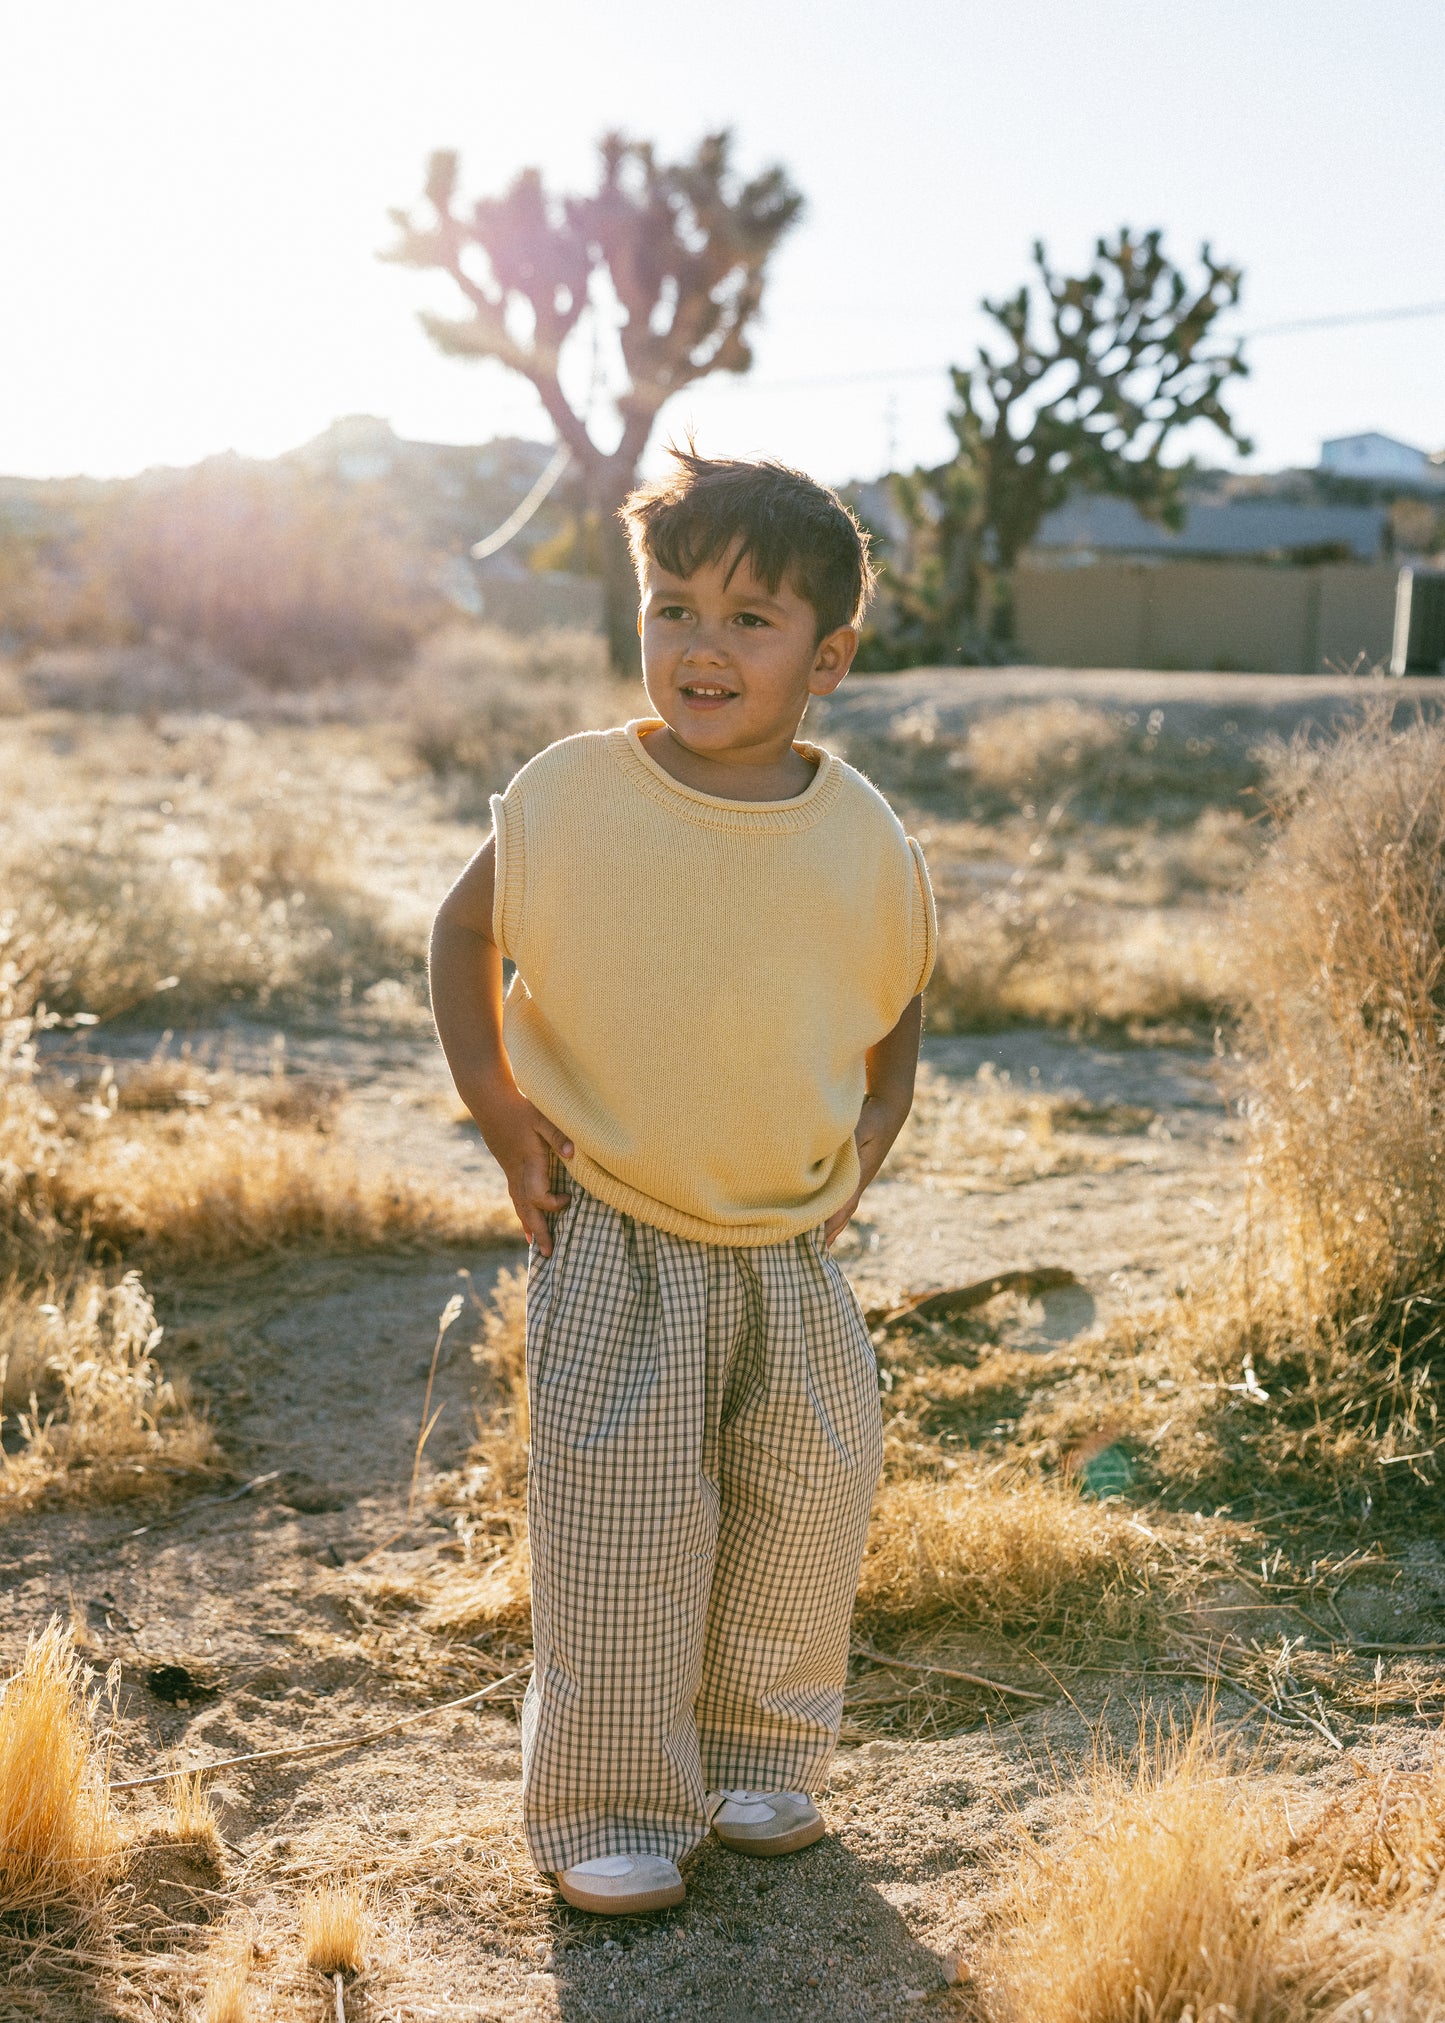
(706, 1440)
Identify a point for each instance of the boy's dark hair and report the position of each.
(783, 523)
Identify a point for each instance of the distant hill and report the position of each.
(333, 558)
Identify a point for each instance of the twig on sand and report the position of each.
(201, 1503)
(320, 1748)
(945, 1672)
(1373, 1650)
(961, 1299)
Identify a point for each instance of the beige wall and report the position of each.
(1243, 616)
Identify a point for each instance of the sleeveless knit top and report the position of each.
(699, 980)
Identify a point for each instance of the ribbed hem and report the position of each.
(710, 811)
(730, 1235)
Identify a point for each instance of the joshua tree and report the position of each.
(675, 253)
(1089, 389)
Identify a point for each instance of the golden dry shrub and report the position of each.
(501, 1355)
(492, 1588)
(970, 1137)
(195, 1192)
(93, 1410)
(280, 570)
(1027, 953)
(1152, 1904)
(478, 703)
(57, 1830)
(1181, 1887)
(185, 1169)
(1019, 1558)
(1341, 1282)
(32, 1145)
(250, 900)
(338, 1928)
(496, 1595)
(227, 1990)
(192, 1821)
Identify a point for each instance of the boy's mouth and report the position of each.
(707, 694)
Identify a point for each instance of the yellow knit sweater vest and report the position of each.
(699, 980)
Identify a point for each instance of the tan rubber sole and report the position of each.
(622, 1907)
(783, 1843)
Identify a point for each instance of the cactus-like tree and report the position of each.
(1096, 377)
(675, 253)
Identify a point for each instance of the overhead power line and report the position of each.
(1348, 317)
(1344, 320)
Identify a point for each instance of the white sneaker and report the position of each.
(622, 1884)
(765, 1822)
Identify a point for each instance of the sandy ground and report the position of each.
(242, 1625)
(238, 1628)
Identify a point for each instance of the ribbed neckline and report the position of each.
(711, 810)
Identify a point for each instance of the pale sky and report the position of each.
(192, 193)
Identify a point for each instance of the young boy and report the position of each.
(720, 937)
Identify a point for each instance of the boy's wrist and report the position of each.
(878, 1127)
(492, 1098)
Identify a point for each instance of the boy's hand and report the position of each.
(521, 1140)
(878, 1126)
(466, 988)
(885, 1109)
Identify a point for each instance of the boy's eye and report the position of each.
(673, 611)
(750, 618)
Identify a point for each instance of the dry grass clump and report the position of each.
(252, 913)
(192, 1821)
(1114, 765)
(500, 1354)
(1029, 953)
(479, 703)
(1077, 854)
(491, 1590)
(32, 1144)
(93, 1412)
(187, 1081)
(1180, 1888)
(198, 867)
(191, 1192)
(57, 1830)
(992, 1134)
(1337, 1297)
(1024, 1559)
(227, 1992)
(171, 1164)
(1150, 1903)
(338, 1925)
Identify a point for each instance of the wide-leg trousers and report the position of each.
(705, 1444)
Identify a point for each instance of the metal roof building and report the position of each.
(1273, 529)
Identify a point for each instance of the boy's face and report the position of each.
(729, 665)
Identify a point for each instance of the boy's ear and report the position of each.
(833, 659)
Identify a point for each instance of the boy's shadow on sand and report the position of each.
(806, 1935)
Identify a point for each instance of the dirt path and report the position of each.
(239, 1626)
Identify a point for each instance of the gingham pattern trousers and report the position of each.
(706, 1440)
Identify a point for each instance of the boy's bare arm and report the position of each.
(892, 1065)
(466, 996)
